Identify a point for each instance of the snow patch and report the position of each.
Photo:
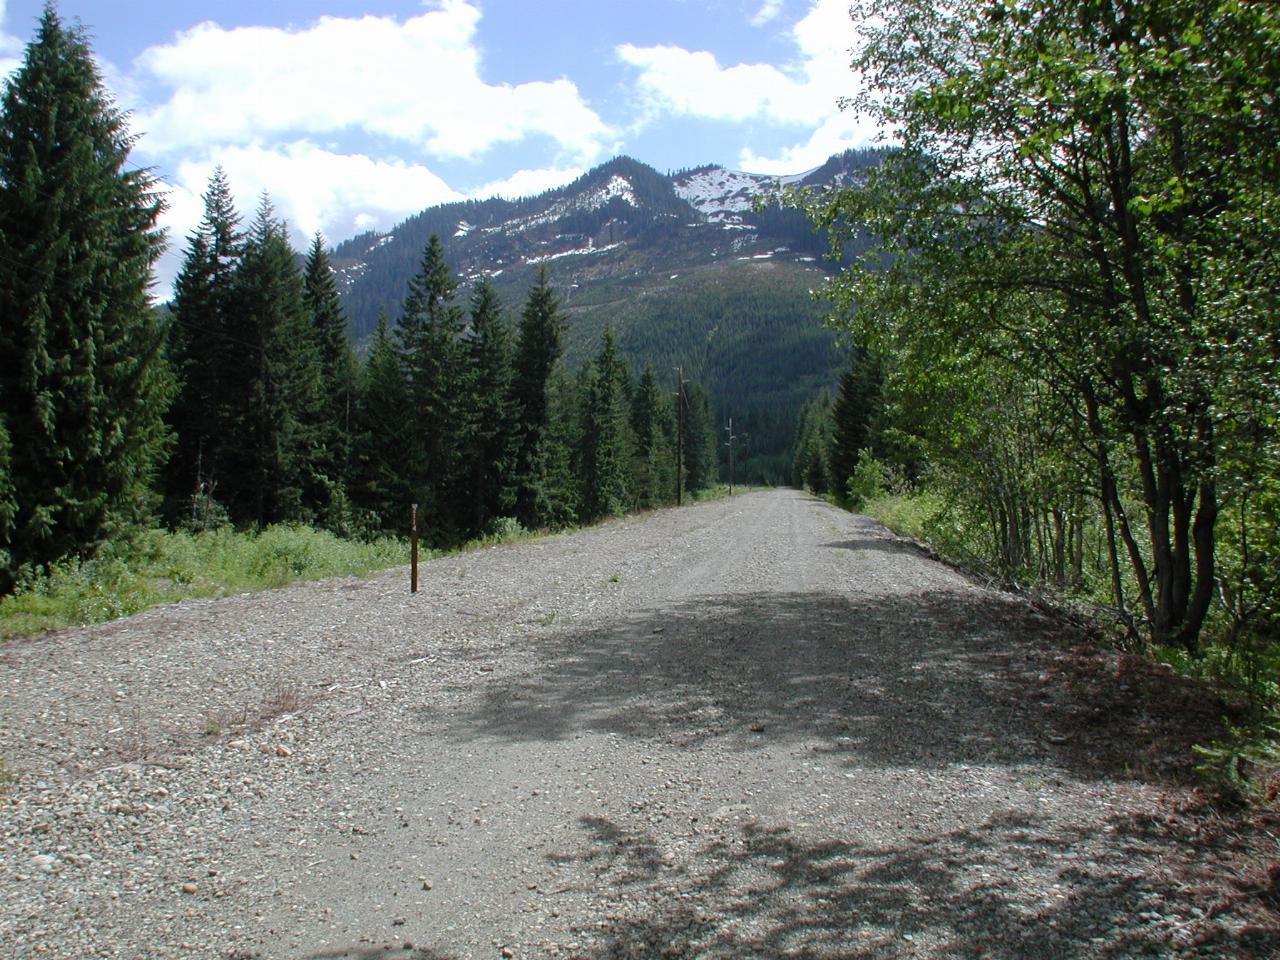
(590, 248)
(464, 228)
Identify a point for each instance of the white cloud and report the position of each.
(312, 188)
(11, 49)
(528, 183)
(803, 93)
(417, 81)
(767, 13)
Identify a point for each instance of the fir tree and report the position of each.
(653, 457)
(853, 415)
(699, 439)
(487, 446)
(338, 373)
(538, 349)
(84, 385)
(428, 344)
(606, 437)
(271, 468)
(381, 445)
(207, 358)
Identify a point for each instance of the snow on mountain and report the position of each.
(715, 191)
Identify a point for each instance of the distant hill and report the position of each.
(683, 267)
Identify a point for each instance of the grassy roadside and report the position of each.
(155, 567)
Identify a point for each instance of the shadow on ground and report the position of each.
(915, 679)
(771, 893)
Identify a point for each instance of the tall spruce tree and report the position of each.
(606, 436)
(84, 384)
(207, 358)
(339, 370)
(380, 485)
(856, 408)
(700, 437)
(430, 323)
(653, 463)
(538, 348)
(271, 475)
(487, 447)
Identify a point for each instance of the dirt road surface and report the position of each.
(753, 727)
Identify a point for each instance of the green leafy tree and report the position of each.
(538, 349)
(84, 384)
(1081, 212)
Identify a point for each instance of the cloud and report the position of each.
(312, 188)
(804, 93)
(528, 183)
(767, 13)
(11, 49)
(416, 82)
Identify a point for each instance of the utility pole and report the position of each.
(679, 436)
(729, 444)
(413, 538)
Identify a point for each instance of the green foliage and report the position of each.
(83, 386)
(380, 471)
(606, 437)
(1236, 768)
(866, 482)
(157, 567)
(1076, 293)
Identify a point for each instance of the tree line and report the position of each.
(1075, 299)
(244, 402)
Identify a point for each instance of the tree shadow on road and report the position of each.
(924, 679)
(772, 892)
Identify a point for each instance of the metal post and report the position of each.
(413, 539)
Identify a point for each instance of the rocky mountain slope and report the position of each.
(686, 267)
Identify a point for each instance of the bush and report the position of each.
(867, 482)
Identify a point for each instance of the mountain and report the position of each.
(683, 266)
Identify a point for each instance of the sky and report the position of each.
(355, 114)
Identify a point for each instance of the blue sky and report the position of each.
(353, 114)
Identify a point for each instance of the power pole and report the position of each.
(679, 436)
(729, 444)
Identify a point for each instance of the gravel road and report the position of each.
(752, 727)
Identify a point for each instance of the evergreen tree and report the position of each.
(699, 439)
(429, 352)
(338, 375)
(84, 385)
(538, 348)
(810, 466)
(487, 447)
(271, 468)
(558, 496)
(854, 414)
(653, 456)
(606, 437)
(207, 359)
(381, 437)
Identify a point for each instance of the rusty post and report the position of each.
(413, 540)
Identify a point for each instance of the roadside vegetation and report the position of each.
(1067, 341)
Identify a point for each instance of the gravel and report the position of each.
(753, 727)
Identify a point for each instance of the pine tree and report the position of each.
(271, 473)
(653, 458)
(538, 349)
(430, 323)
(380, 487)
(338, 370)
(487, 446)
(606, 437)
(84, 384)
(699, 439)
(207, 359)
(853, 416)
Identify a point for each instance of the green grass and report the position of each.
(156, 567)
(911, 514)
